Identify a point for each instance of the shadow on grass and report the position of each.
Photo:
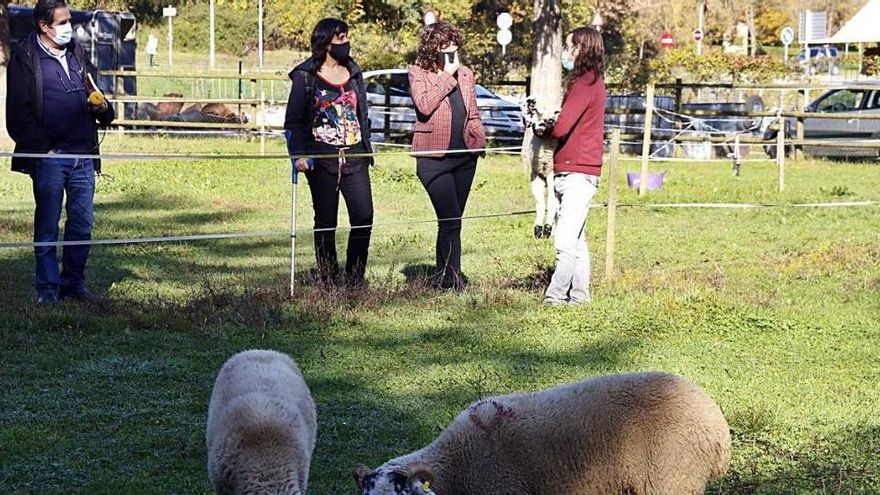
(538, 280)
(418, 273)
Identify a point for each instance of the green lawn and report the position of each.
(772, 311)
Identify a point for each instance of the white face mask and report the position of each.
(63, 34)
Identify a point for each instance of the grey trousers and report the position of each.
(571, 279)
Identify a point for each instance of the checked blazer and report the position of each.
(433, 128)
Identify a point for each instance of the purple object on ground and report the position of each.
(654, 180)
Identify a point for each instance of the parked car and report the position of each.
(863, 101)
(822, 60)
(389, 96)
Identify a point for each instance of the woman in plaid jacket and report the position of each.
(448, 126)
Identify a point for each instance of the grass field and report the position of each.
(772, 311)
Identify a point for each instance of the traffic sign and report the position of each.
(667, 40)
(787, 36)
(698, 35)
(504, 37)
(169, 11)
(505, 20)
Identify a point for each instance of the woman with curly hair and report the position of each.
(448, 125)
(577, 162)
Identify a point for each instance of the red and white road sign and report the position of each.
(698, 35)
(667, 40)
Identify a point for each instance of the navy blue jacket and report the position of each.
(24, 103)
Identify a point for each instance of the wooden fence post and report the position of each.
(262, 114)
(386, 121)
(646, 140)
(679, 102)
(780, 150)
(612, 205)
(799, 130)
(799, 154)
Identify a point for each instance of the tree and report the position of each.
(770, 22)
(546, 65)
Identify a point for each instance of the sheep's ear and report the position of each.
(420, 471)
(360, 472)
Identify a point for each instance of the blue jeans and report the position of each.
(52, 178)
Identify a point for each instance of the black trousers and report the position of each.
(448, 182)
(356, 190)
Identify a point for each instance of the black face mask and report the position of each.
(341, 51)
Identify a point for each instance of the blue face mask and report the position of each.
(567, 63)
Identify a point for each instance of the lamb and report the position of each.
(540, 119)
(635, 434)
(261, 426)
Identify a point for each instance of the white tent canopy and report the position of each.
(862, 28)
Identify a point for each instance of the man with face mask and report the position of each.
(48, 111)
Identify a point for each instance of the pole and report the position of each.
(737, 158)
(612, 205)
(211, 16)
(262, 119)
(861, 61)
(260, 29)
(780, 150)
(701, 8)
(386, 124)
(799, 126)
(239, 85)
(293, 229)
(170, 43)
(646, 139)
(678, 106)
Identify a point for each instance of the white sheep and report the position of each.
(635, 434)
(261, 426)
(538, 117)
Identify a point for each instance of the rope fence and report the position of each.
(702, 130)
(612, 204)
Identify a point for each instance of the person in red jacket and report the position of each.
(444, 94)
(577, 162)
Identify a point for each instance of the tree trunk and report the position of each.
(753, 34)
(546, 79)
(4, 60)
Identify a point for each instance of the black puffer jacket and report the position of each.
(301, 107)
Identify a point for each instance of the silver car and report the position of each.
(388, 94)
(862, 101)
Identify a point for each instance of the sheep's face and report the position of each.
(413, 479)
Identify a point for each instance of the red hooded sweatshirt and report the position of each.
(580, 127)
